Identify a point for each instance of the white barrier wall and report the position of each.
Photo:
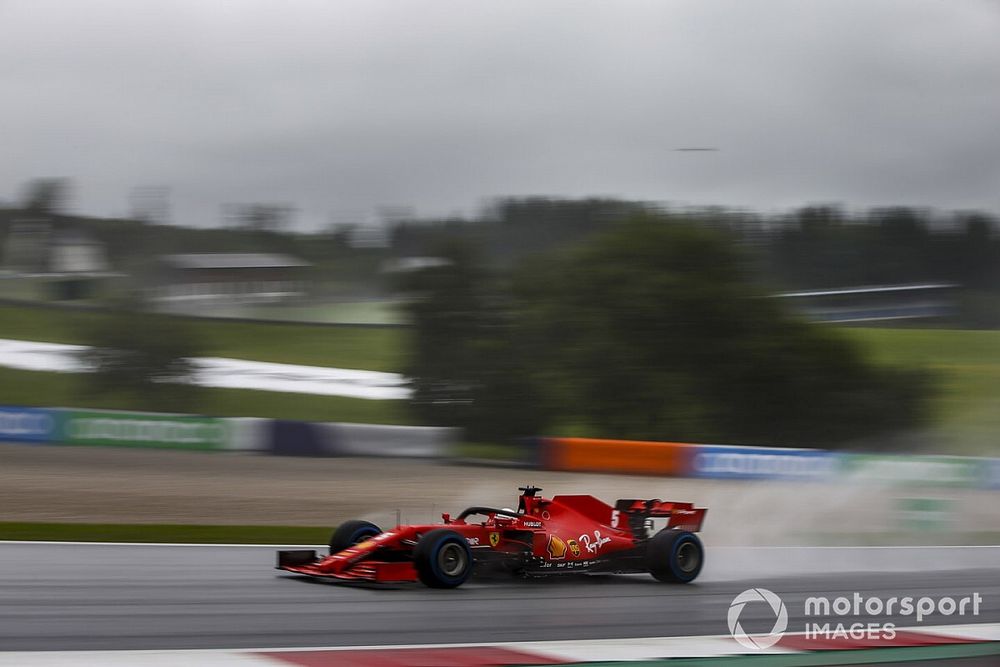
(248, 434)
(293, 438)
(392, 441)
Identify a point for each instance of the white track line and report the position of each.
(642, 648)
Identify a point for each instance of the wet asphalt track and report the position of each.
(64, 597)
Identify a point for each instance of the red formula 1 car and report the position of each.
(542, 537)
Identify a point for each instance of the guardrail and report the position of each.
(293, 438)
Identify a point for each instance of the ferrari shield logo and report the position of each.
(494, 539)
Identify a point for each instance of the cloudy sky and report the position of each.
(340, 107)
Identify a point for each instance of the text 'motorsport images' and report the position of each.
(543, 536)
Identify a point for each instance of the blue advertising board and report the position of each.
(28, 424)
(735, 462)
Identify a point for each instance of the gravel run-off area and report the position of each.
(111, 485)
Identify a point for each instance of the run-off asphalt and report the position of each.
(65, 597)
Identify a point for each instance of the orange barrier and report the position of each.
(620, 456)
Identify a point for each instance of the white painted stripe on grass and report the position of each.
(225, 373)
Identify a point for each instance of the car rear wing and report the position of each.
(681, 516)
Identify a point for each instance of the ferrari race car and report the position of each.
(542, 537)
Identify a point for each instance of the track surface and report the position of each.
(65, 597)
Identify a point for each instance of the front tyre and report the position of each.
(350, 533)
(443, 559)
(675, 556)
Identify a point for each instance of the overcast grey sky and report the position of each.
(338, 107)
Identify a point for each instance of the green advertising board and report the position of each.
(927, 514)
(142, 429)
(951, 471)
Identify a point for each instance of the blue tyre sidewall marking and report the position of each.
(678, 543)
(434, 559)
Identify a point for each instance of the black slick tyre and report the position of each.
(443, 559)
(675, 556)
(350, 533)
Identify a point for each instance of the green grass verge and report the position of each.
(44, 389)
(965, 413)
(366, 348)
(347, 312)
(115, 532)
(25, 289)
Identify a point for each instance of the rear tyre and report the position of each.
(350, 533)
(675, 556)
(443, 559)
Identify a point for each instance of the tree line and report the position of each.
(655, 328)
